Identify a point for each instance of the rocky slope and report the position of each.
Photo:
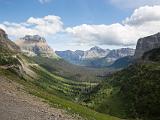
(35, 46)
(19, 105)
(95, 57)
(147, 43)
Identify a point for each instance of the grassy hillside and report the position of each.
(49, 87)
(106, 99)
(72, 72)
(133, 92)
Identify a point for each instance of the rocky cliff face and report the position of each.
(146, 44)
(35, 46)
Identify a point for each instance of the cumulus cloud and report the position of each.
(144, 21)
(48, 25)
(143, 15)
(115, 34)
(44, 1)
(134, 3)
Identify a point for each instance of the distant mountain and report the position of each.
(95, 57)
(35, 46)
(94, 53)
(119, 53)
(122, 62)
(146, 44)
(79, 55)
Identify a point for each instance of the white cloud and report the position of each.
(115, 34)
(144, 21)
(48, 25)
(134, 3)
(44, 1)
(143, 15)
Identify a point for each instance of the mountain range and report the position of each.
(95, 57)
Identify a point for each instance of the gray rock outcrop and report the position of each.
(35, 46)
(146, 44)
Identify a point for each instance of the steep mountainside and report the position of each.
(95, 57)
(123, 62)
(35, 46)
(8, 51)
(147, 43)
(5, 43)
(152, 55)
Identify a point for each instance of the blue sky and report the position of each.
(73, 12)
(79, 24)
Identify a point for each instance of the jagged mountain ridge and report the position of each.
(35, 46)
(94, 52)
(95, 57)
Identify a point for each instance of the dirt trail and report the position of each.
(16, 104)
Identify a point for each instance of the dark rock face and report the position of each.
(35, 46)
(146, 44)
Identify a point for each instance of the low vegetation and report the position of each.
(54, 98)
(72, 72)
(130, 93)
